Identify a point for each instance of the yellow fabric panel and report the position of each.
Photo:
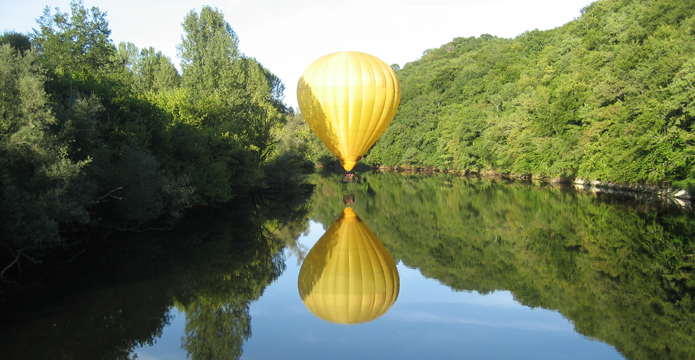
(348, 277)
(348, 99)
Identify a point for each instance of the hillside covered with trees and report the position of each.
(93, 133)
(97, 134)
(607, 96)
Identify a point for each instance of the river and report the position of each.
(419, 266)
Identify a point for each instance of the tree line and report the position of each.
(607, 96)
(93, 133)
(97, 134)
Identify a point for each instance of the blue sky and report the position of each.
(287, 35)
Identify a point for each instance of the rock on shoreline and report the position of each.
(680, 197)
(681, 194)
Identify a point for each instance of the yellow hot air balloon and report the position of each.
(348, 99)
(348, 277)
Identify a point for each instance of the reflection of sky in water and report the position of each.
(169, 345)
(428, 320)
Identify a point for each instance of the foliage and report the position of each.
(291, 159)
(18, 41)
(230, 91)
(152, 70)
(606, 96)
(40, 186)
(101, 117)
(94, 134)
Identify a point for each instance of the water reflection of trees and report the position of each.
(212, 269)
(621, 275)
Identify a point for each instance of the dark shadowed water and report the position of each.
(419, 267)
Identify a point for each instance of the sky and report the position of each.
(287, 35)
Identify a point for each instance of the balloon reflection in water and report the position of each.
(349, 277)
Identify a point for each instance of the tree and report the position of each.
(210, 58)
(233, 94)
(17, 40)
(76, 43)
(152, 70)
(101, 116)
(600, 98)
(230, 100)
(40, 187)
(90, 131)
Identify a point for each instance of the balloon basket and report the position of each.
(349, 177)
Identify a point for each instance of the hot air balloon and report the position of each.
(348, 277)
(348, 99)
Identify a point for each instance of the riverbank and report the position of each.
(675, 196)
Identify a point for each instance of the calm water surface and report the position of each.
(418, 267)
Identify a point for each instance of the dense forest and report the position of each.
(621, 273)
(607, 96)
(97, 134)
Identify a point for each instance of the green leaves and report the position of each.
(152, 70)
(77, 43)
(122, 137)
(40, 185)
(232, 94)
(605, 96)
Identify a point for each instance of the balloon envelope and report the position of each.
(348, 99)
(348, 277)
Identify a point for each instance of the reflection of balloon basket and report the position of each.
(348, 199)
(348, 277)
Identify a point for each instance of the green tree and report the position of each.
(226, 113)
(140, 141)
(97, 98)
(75, 45)
(232, 93)
(597, 98)
(17, 40)
(209, 54)
(40, 186)
(152, 70)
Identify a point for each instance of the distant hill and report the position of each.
(607, 96)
